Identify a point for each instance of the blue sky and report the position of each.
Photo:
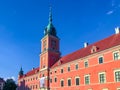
(22, 23)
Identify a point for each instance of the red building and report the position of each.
(94, 67)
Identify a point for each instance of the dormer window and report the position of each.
(93, 49)
(59, 62)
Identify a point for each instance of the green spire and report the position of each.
(50, 15)
(50, 29)
(21, 71)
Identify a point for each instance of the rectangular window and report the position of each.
(61, 70)
(116, 55)
(69, 82)
(76, 66)
(86, 63)
(62, 83)
(100, 60)
(102, 77)
(117, 76)
(68, 68)
(77, 80)
(50, 80)
(55, 79)
(87, 79)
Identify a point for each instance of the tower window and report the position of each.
(44, 45)
(53, 44)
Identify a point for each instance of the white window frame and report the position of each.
(67, 68)
(54, 79)
(84, 79)
(90, 89)
(100, 57)
(104, 77)
(75, 81)
(105, 89)
(70, 80)
(118, 53)
(114, 74)
(87, 63)
(118, 88)
(63, 83)
(75, 66)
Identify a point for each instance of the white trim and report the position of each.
(116, 70)
(87, 63)
(69, 67)
(75, 80)
(90, 89)
(89, 79)
(56, 78)
(100, 57)
(70, 81)
(75, 66)
(116, 51)
(63, 82)
(90, 56)
(118, 88)
(104, 77)
(61, 69)
(105, 89)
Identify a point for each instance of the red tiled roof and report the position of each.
(32, 72)
(106, 43)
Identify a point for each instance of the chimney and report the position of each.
(117, 30)
(33, 68)
(85, 44)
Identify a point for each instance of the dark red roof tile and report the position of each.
(32, 72)
(106, 43)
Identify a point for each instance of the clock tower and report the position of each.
(49, 53)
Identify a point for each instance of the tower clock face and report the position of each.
(53, 42)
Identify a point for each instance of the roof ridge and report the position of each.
(103, 44)
(89, 45)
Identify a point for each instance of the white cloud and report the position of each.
(110, 12)
(10, 78)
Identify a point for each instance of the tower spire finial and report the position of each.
(50, 14)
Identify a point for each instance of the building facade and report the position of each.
(94, 67)
(2, 82)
